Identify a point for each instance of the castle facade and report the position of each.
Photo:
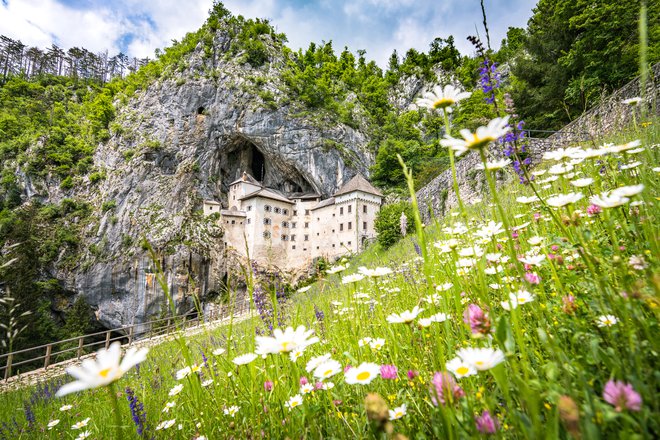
(291, 231)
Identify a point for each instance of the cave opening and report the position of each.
(258, 164)
(200, 110)
(240, 154)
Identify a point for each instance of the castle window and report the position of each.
(350, 225)
(293, 247)
(341, 211)
(306, 237)
(349, 243)
(293, 238)
(293, 225)
(277, 210)
(341, 227)
(285, 237)
(364, 208)
(249, 208)
(285, 211)
(267, 208)
(249, 221)
(364, 225)
(349, 208)
(285, 224)
(295, 212)
(266, 234)
(267, 221)
(233, 222)
(317, 247)
(307, 224)
(306, 211)
(333, 245)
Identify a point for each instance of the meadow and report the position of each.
(531, 314)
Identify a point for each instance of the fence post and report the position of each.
(107, 339)
(8, 367)
(49, 348)
(130, 334)
(80, 346)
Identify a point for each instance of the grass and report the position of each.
(558, 356)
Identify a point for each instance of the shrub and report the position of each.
(388, 223)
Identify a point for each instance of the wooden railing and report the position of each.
(75, 348)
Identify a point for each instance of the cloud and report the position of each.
(138, 27)
(43, 22)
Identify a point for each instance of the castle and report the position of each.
(291, 231)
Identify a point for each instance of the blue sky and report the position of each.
(138, 27)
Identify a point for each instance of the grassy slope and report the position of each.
(550, 351)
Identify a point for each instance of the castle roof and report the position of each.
(358, 183)
(326, 202)
(232, 213)
(246, 177)
(268, 194)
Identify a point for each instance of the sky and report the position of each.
(138, 27)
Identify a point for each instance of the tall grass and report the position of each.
(559, 350)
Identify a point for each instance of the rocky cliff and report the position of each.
(181, 140)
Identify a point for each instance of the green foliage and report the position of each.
(388, 223)
(108, 205)
(575, 52)
(78, 319)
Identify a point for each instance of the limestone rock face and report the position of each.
(177, 143)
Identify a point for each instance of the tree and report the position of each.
(576, 51)
(388, 223)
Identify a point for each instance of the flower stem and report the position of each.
(115, 410)
(453, 170)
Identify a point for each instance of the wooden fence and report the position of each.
(74, 348)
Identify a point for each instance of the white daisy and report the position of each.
(442, 98)
(362, 374)
(607, 320)
(293, 402)
(460, 368)
(496, 128)
(398, 412)
(244, 358)
(406, 317)
(481, 358)
(327, 369)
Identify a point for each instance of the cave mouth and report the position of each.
(240, 154)
(257, 164)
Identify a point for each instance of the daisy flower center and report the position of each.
(443, 102)
(363, 376)
(327, 373)
(462, 370)
(104, 373)
(480, 363)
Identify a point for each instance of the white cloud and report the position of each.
(42, 22)
(141, 26)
